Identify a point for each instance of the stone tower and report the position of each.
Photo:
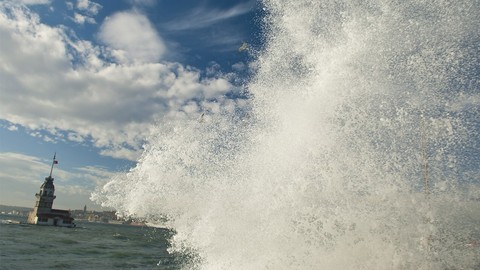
(42, 213)
(46, 196)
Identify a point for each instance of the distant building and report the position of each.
(42, 213)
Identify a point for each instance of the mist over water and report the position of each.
(323, 167)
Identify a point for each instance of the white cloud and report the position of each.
(89, 7)
(85, 10)
(133, 34)
(22, 175)
(47, 138)
(120, 153)
(21, 167)
(55, 83)
(240, 66)
(143, 2)
(75, 137)
(35, 2)
(202, 17)
(81, 19)
(12, 128)
(208, 26)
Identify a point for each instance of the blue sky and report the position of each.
(87, 79)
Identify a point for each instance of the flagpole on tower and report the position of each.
(53, 162)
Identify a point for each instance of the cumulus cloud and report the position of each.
(133, 34)
(55, 83)
(89, 7)
(84, 11)
(81, 19)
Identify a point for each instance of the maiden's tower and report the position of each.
(42, 213)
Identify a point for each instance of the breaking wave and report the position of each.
(358, 148)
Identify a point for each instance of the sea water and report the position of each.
(87, 246)
(355, 146)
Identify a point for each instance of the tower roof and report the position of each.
(48, 183)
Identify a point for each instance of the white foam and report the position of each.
(325, 171)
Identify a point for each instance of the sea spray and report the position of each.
(322, 167)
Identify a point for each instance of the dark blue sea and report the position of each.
(88, 246)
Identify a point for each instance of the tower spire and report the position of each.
(53, 162)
